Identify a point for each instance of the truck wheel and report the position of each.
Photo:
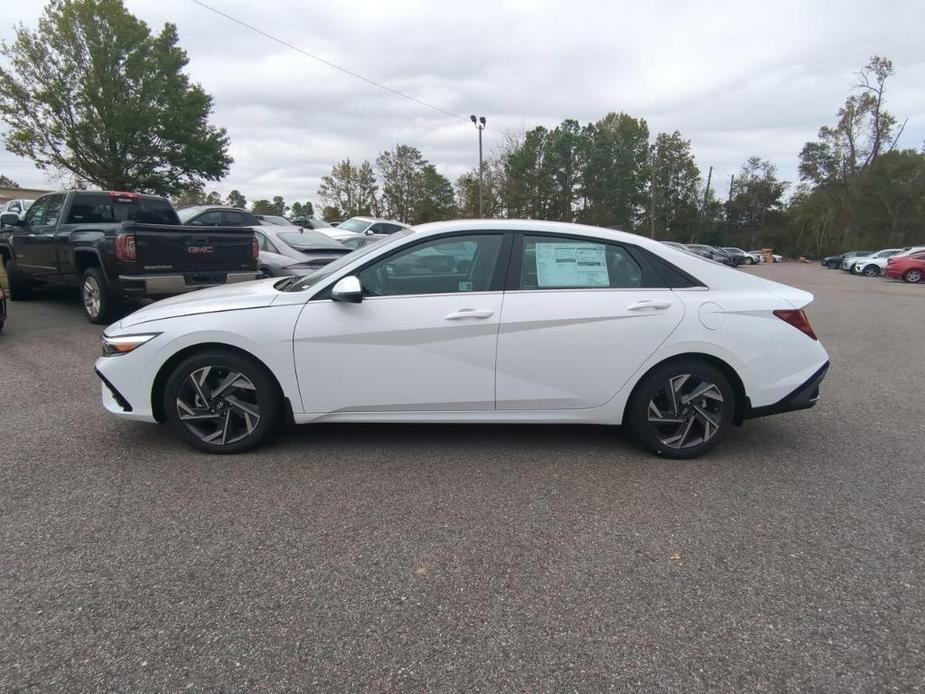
(101, 305)
(19, 287)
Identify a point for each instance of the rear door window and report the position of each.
(550, 262)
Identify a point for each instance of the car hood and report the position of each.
(231, 297)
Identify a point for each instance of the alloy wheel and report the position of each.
(913, 276)
(686, 411)
(218, 405)
(871, 271)
(91, 295)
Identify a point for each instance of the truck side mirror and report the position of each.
(10, 219)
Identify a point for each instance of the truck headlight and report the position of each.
(122, 344)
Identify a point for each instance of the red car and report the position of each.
(910, 268)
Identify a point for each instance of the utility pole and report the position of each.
(652, 191)
(480, 126)
(732, 179)
(706, 193)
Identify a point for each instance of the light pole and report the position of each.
(480, 125)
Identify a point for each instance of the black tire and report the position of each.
(225, 413)
(749, 261)
(19, 287)
(101, 305)
(870, 271)
(912, 275)
(653, 390)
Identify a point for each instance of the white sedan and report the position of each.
(490, 321)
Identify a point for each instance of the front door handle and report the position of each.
(470, 313)
(649, 304)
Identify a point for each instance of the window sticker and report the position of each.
(465, 286)
(564, 264)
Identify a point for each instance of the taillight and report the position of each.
(125, 247)
(798, 320)
(255, 247)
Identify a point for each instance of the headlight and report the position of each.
(121, 344)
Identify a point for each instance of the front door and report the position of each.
(583, 318)
(423, 338)
(34, 242)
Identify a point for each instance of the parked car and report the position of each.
(310, 223)
(736, 257)
(909, 268)
(290, 250)
(441, 324)
(351, 239)
(712, 253)
(371, 225)
(833, 261)
(274, 219)
(2, 308)
(19, 207)
(117, 245)
(750, 258)
(872, 265)
(848, 263)
(777, 258)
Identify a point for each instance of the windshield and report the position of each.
(343, 261)
(354, 224)
(187, 213)
(273, 219)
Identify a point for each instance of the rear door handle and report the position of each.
(649, 304)
(470, 313)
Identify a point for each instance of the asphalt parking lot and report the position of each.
(476, 558)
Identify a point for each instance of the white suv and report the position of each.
(873, 265)
(870, 265)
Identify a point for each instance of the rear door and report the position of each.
(580, 317)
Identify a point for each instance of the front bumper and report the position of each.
(170, 284)
(801, 398)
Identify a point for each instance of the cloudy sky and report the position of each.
(737, 78)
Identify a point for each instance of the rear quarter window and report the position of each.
(105, 209)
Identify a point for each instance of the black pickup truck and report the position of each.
(115, 246)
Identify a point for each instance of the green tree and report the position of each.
(300, 211)
(351, 190)
(674, 184)
(6, 182)
(757, 196)
(263, 206)
(435, 202)
(214, 198)
(614, 171)
(332, 214)
(840, 169)
(401, 170)
(279, 206)
(191, 195)
(93, 92)
(235, 199)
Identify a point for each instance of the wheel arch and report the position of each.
(727, 370)
(85, 258)
(163, 373)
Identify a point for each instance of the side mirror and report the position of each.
(347, 289)
(369, 232)
(10, 219)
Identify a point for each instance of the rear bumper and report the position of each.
(166, 285)
(801, 398)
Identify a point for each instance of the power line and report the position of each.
(356, 75)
